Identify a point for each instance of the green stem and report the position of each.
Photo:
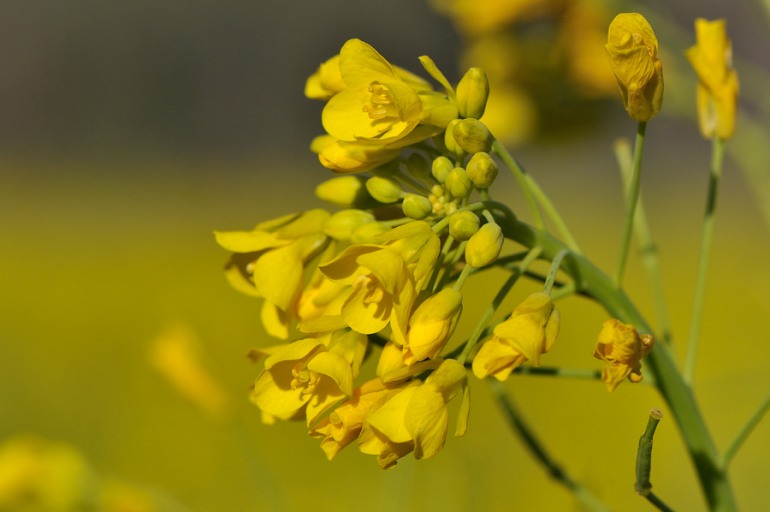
(538, 451)
(643, 485)
(717, 158)
(551, 277)
(569, 373)
(744, 433)
(674, 390)
(632, 195)
(519, 174)
(649, 250)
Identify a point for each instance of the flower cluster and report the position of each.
(387, 268)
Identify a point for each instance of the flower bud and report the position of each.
(449, 139)
(484, 246)
(384, 190)
(441, 167)
(416, 207)
(632, 49)
(418, 167)
(343, 191)
(482, 170)
(341, 224)
(431, 325)
(472, 93)
(458, 183)
(472, 136)
(367, 233)
(463, 225)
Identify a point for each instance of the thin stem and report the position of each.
(744, 433)
(717, 158)
(658, 503)
(551, 277)
(632, 195)
(519, 174)
(647, 247)
(553, 214)
(538, 451)
(569, 373)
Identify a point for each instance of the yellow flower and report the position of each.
(632, 50)
(350, 157)
(622, 348)
(344, 423)
(270, 260)
(474, 17)
(378, 105)
(431, 325)
(530, 331)
(307, 376)
(415, 417)
(711, 58)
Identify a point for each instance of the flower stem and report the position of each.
(538, 451)
(643, 485)
(717, 158)
(649, 250)
(632, 197)
(519, 174)
(551, 277)
(744, 433)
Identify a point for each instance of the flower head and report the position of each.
(711, 57)
(632, 49)
(622, 348)
(530, 331)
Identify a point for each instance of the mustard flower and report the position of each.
(711, 58)
(530, 331)
(346, 157)
(484, 246)
(622, 348)
(414, 417)
(307, 376)
(632, 49)
(431, 325)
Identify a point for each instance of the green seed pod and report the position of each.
(472, 93)
(341, 224)
(343, 191)
(463, 225)
(482, 170)
(472, 136)
(458, 183)
(484, 247)
(416, 207)
(441, 167)
(384, 190)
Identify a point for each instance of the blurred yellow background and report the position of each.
(111, 183)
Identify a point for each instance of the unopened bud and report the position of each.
(484, 247)
(450, 141)
(384, 190)
(367, 233)
(432, 324)
(341, 224)
(416, 207)
(441, 167)
(458, 183)
(463, 225)
(472, 93)
(472, 136)
(482, 170)
(343, 191)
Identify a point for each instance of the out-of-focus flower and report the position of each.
(632, 49)
(711, 57)
(530, 331)
(474, 17)
(415, 417)
(622, 348)
(175, 353)
(432, 324)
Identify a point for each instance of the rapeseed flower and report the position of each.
(711, 57)
(432, 324)
(622, 348)
(530, 331)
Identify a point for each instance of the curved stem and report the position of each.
(632, 197)
(717, 157)
(744, 433)
(519, 174)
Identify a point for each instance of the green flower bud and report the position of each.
(416, 207)
(482, 170)
(341, 225)
(484, 246)
(463, 225)
(450, 141)
(458, 183)
(384, 190)
(441, 167)
(472, 136)
(343, 191)
(472, 93)
(367, 233)
(418, 167)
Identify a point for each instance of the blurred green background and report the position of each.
(130, 131)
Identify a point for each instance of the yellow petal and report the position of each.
(426, 421)
(335, 367)
(247, 241)
(389, 418)
(278, 276)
